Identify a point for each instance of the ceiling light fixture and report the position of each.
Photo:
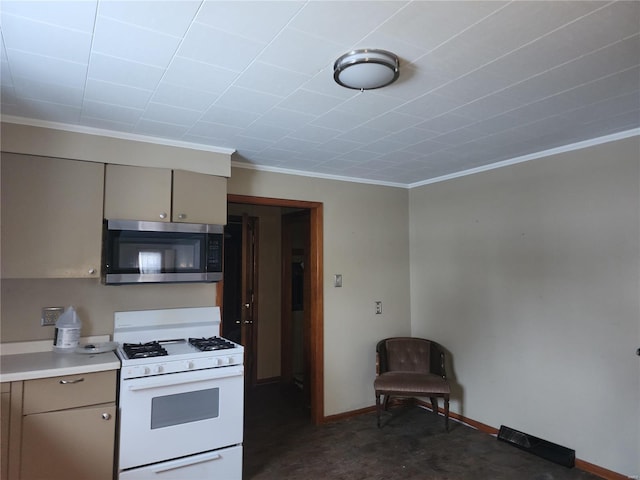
(366, 69)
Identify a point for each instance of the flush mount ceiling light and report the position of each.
(366, 69)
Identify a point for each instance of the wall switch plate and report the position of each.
(378, 307)
(50, 315)
(337, 280)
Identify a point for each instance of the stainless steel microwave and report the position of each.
(160, 252)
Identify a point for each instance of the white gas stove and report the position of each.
(181, 395)
(156, 342)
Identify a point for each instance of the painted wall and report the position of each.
(366, 239)
(22, 300)
(529, 276)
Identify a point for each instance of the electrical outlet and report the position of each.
(378, 307)
(50, 315)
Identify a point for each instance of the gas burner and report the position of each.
(143, 350)
(211, 343)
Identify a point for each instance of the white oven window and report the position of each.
(181, 408)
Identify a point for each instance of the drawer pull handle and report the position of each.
(106, 416)
(68, 382)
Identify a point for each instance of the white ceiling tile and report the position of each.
(178, 96)
(216, 130)
(113, 113)
(340, 120)
(267, 132)
(169, 17)
(52, 112)
(71, 14)
(270, 79)
(430, 23)
(107, 124)
(300, 52)
(113, 93)
(340, 146)
(133, 43)
(223, 49)
(392, 122)
(382, 146)
(159, 112)
(446, 123)
(124, 72)
(160, 129)
(410, 136)
(310, 102)
(48, 92)
(314, 133)
(294, 144)
(335, 20)
(257, 20)
(55, 70)
(362, 134)
(288, 119)
(429, 106)
(47, 40)
(246, 100)
(195, 75)
(227, 116)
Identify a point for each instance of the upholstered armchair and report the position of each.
(411, 367)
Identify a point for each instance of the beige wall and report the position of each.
(529, 276)
(366, 240)
(22, 300)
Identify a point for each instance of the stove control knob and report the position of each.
(158, 369)
(189, 365)
(218, 361)
(146, 370)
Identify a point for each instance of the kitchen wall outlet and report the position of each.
(50, 315)
(378, 307)
(337, 280)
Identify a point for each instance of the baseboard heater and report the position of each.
(550, 451)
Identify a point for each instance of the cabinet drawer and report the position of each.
(58, 393)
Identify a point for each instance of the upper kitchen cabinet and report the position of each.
(163, 195)
(51, 217)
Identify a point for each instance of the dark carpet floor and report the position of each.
(281, 443)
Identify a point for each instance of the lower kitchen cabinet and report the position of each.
(5, 409)
(62, 428)
(75, 443)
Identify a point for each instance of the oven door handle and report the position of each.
(149, 386)
(187, 463)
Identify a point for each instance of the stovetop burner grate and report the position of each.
(211, 343)
(144, 350)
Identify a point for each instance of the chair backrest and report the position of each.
(410, 354)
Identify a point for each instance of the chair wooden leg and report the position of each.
(378, 406)
(446, 412)
(434, 405)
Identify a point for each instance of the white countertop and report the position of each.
(28, 361)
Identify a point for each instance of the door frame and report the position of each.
(316, 305)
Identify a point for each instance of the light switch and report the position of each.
(378, 307)
(337, 280)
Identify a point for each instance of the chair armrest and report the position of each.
(438, 360)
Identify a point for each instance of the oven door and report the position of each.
(169, 416)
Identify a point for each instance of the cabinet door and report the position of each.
(51, 217)
(75, 443)
(5, 409)
(137, 193)
(199, 198)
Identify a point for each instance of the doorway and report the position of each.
(311, 297)
(240, 277)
